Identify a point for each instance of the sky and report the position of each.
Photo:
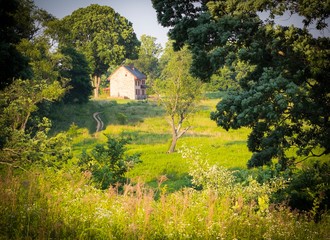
(139, 12)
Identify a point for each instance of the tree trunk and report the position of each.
(173, 144)
(23, 126)
(96, 85)
(176, 133)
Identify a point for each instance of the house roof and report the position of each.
(135, 72)
(132, 70)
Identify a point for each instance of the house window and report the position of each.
(137, 92)
(136, 82)
(143, 81)
(143, 92)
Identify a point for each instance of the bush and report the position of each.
(121, 118)
(24, 150)
(108, 162)
(309, 189)
(224, 183)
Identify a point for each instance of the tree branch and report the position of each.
(313, 155)
(12, 165)
(184, 131)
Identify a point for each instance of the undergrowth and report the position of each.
(44, 204)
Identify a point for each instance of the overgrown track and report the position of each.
(99, 122)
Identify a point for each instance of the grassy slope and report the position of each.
(146, 123)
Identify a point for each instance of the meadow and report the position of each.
(163, 199)
(146, 124)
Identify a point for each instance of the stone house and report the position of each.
(128, 82)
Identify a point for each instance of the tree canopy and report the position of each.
(282, 72)
(148, 56)
(77, 70)
(102, 35)
(26, 85)
(11, 32)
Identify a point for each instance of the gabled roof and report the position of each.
(135, 72)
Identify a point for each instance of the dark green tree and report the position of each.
(102, 35)
(20, 20)
(282, 71)
(12, 63)
(22, 140)
(75, 68)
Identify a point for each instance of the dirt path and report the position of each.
(99, 122)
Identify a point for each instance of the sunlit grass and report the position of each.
(147, 125)
(158, 203)
(51, 204)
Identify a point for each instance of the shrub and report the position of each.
(224, 183)
(108, 162)
(309, 189)
(25, 149)
(121, 118)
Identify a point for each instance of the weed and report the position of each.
(62, 205)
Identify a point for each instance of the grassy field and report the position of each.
(146, 123)
(49, 203)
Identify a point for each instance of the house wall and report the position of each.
(122, 84)
(140, 92)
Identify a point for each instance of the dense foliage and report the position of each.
(75, 67)
(22, 144)
(19, 20)
(24, 139)
(78, 185)
(282, 72)
(148, 56)
(101, 34)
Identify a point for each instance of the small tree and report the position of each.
(178, 92)
(108, 162)
(22, 144)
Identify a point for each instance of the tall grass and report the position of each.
(62, 205)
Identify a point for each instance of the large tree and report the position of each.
(102, 35)
(12, 30)
(178, 92)
(148, 57)
(20, 20)
(75, 68)
(23, 140)
(282, 72)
